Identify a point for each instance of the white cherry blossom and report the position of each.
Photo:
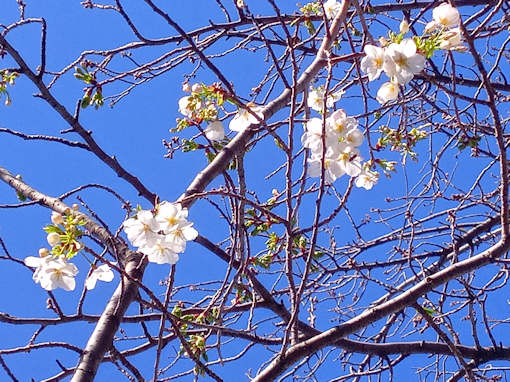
(373, 62)
(452, 40)
(312, 138)
(404, 26)
(142, 230)
(387, 92)
(340, 123)
(164, 251)
(103, 273)
(367, 178)
(445, 16)
(332, 168)
(53, 238)
(244, 118)
(215, 131)
(57, 218)
(402, 62)
(170, 215)
(350, 160)
(184, 106)
(315, 99)
(53, 273)
(38, 263)
(354, 137)
(179, 235)
(331, 7)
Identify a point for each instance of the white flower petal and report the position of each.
(215, 131)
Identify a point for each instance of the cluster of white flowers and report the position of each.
(400, 62)
(161, 235)
(54, 271)
(195, 110)
(445, 19)
(316, 99)
(341, 154)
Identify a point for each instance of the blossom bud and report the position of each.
(383, 41)
(76, 207)
(430, 27)
(7, 101)
(19, 177)
(240, 3)
(404, 26)
(196, 88)
(43, 252)
(274, 192)
(186, 87)
(56, 218)
(53, 238)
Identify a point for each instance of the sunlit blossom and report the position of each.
(312, 138)
(387, 92)
(402, 62)
(315, 99)
(332, 168)
(373, 62)
(244, 118)
(184, 106)
(170, 215)
(350, 160)
(103, 273)
(215, 131)
(52, 272)
(354, 137)
(446, 16)
(340, 123)
(142, 229)
(452, 40)
(164, 251)
(57, 218)
(404, 26)
(367, 178)
(331, 7)
(180, 234)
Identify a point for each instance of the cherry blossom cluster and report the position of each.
(161, 234)
(52, 268)
(444, 27)
(337, 149)
(202, 106)
(400, 62)
(402, 58)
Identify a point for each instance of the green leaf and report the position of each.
(52, 228)
(85, 101)
(430, 312)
